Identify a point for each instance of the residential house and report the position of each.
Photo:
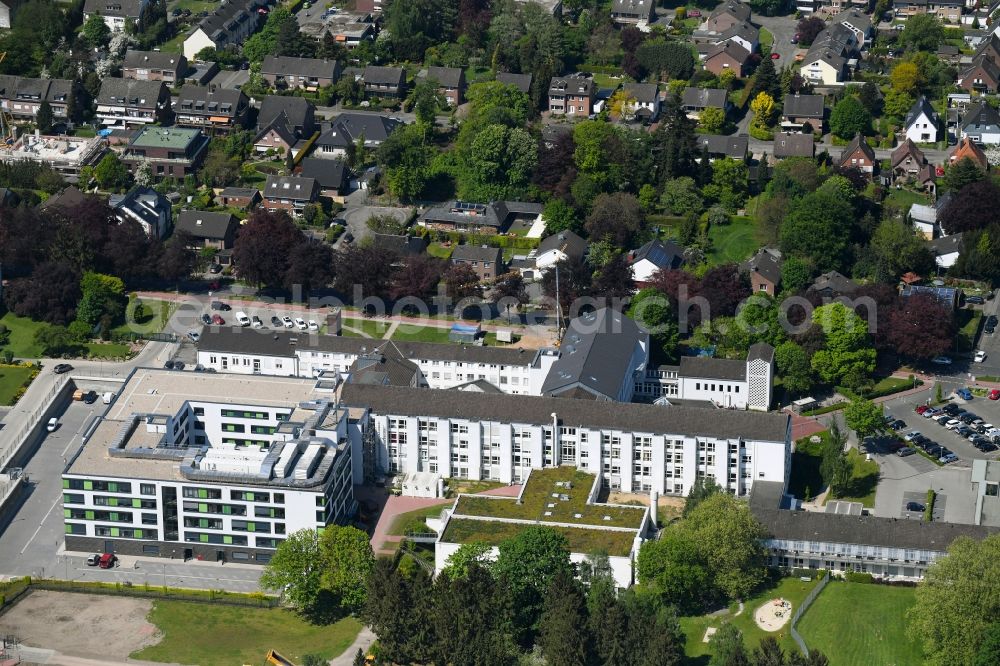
(633, 11)
(647, 101)
(949, 54)
(949, 11)
(66, 155)
(208, 229)
(244, 198)
(946, 250)
(832, 285)
(521, 81)
(981, 123)
(451, 83)
(21, 96)
(800, 110)
(384, 82)
(289, 193)
(921, 122)
(729, 55)
(67, 199)
(989, 48)
(154, 66)
(654, 256)
(924, 220)
(288, 73)
(495, 217)
(947, 297)
(172, 152)
(696, 100)
(348, 29)
(824, 67)
(7, 8)
(282, 122)
(128, 103)
(332, 176)
(402, 246)
(217, 110)
(275, 139)
(117, 14)
(982, 76)
(551, 7)
(563, 246)
(347, 128)
(745, 34)
(230, 24)
(720, 146)
(572, 95)
(146, 206)
(968, 149)
(726, 15)
(764, 269)
(858, 155)
(793, 145)
(908, 163)
(486, 261)
(857, 22)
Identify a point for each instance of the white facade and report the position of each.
(195, 42)
(922, 129)
(820, 71)
(643, 270)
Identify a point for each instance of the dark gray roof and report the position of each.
(154, 60)
(477, 253)
(347, 127)
(743, 30)
(834, 282)
(855, 19)
(535, 410)
(215, 101)
(572, 85)
(447, 77)
(761, 351)
(861, 530)
(114, 8)
(793, 145)
(983, 115)
(239, 192)
(946, 244)
(856, 144)
(642, 8)
(480, 385)
(662, 254)
(69, 198)
(384, 366)
(405, 246)
(292, 187)
(146, 203)
(703, 98)
(595, 353)
(279, 125)
(493, 214)
(734, 146)
(50, 90)
(733, 49)
(713, 368)
(129, 92)
(803, 106)
(567, 242)
(330, 174)
(205, 224)
(522, 81)
(295, 109)
(228, 16)
(767, 263)
(384, 75)
(920, 107)
(309, 67)
(734, 8)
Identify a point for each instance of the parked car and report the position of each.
(256, 322)
(914, 506)
(909, 437)
(948, 458)
(52, 424)
(921, 409)
(206, 319)
(952, 424)
(276, 321)
(951, 408)
(313, 326)
(897, 424)
(90, 397)
(194, 336)
(930, 411)
(242, 319)
(62, 368)
(992, 321)
(941, 360)
(178, 365)
(169, 365)
(994, 394)
(215, 269)
(980, 356)
(975, 300)
(94, 560)
(963, 431)
(107, 561)
(967, 418)
(905, 451)
(964, 394)
(219, 305)
(218, 320)
(300, 323)
(287, 321)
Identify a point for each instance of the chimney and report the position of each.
(653, 499)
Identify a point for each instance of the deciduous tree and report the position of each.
(850, 118)
(263, 248)
(920, 327)
(848, 355)
(617, 217)
(864, 417)
(563, 633)
(808, 28)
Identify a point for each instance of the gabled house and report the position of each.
(288, 73)
(229, 25)
(451, 83)
(495, 217)
(745, 34)
(571, 95)
(654, 256)
(521, 81)
(924, 220)
(384, 82)
(793, 145)
(800, 110)
(833, 284)
(764, 270)
(21, 96)
(332, 176)
(982, 76)
(946, 250)
(858, 155)
(921, 122)
(402, 246)
(486, 261)
(825, 67)
(146, 206)
(214, 109)
(909, 163)
(7, 8)
(729, 55)
(949, 11)
(696, 100)
(981, 123)
(857, 22)
(721, 146)
(245, 198)
(347, 128)
(274, 139)
(297, 115)
(633, 11)
(562, 246)
(117, 14)
(967, 149)
(289, 193)
(647, 100)
(154, 66)
(726, 15)
(128, 103)
(208, 229)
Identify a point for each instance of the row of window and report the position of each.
(103, 486)
(90, 514)
(238, 495)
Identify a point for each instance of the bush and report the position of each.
(858, 577)
(929, 506)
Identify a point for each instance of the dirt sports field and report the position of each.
(83, 625)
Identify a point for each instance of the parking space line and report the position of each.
(41, 524)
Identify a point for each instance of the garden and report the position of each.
(14, 380)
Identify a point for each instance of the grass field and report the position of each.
(805, 475)
(855, 624)
(792, 589)
(403, 521)
(154, 318)
(22, 335)
(732, 242)
(11, 379)
(864, 479)
(106, 350)
(217, 635)
(373, 327)
(412, 333)
(903, 199)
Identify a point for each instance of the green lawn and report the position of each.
(864, 479)
(411, 519)
(805, 474)
(791, 589)
(217, 635)
(903, 199)
(176, 44)
(414, 333)
(579, 539)
(766, 39)
(373, 327)
(440, 251)
(732, 242)
(968, 321)
(154, 317)
(106, 350)
(12, 378)
(855, 624)
(22, 335)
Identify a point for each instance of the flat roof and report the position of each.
(165, 137)
(155, 391)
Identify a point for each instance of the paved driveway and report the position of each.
(783, 28)
(357, 217)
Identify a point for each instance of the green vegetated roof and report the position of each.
(165, 137)
(560, 492)
(580, 539)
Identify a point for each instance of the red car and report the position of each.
(218, 320)
(694, 13)
(921, 409)
(775, 56)
(994, 394)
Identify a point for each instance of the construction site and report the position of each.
(66, 155)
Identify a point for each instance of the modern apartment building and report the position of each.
(205, 466)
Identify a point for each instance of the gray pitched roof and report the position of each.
(227, 16)
(946, 244)
(803, 106)
(328, 173)
(854, 18)
(983, 115)
(522, 81)
(205, 224)
(793, 145)
(704, 367)
(734, 146)
(295, 109)
(734, 8)
(146, 203)
(704, 98)
(743, 30)
(309, 67)
(128, 92)
(760, 351)
(214, 101)
(347, 127)
(114, 8)
(642, 92)
(239, 192)
(447, 77)
(662, 254)
(384, 366)
(920, 107)
(405, 246)
(569, 243)
(154, 60)
(573, 85)
(384, 75)
(856, 144)
(767, 263)
(293, 187)
(535, 410)
(477, 253)
(596, 350)
(834, 282)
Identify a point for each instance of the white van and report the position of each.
(242, 319)
(108, 397)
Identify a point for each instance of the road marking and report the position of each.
(42, 524)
